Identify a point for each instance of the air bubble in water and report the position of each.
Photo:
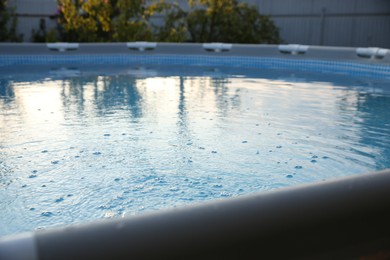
(47, 214)
(59, 199)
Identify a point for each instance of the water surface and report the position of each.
(78, 144)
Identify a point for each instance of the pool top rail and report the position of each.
(287, 51)
(372, 62)
(346, 218)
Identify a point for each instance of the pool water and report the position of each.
(78, 144)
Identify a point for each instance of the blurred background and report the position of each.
(355, 23)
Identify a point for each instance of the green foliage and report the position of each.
(174, 28)
(8, 22)
(52, 35)
(229, 21)
(85, 21)
(104, 20)
(131, 20)
(42, 35)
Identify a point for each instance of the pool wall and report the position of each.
(356, 61)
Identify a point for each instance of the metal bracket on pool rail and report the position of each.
(62, 46)
(293, 49)
(217, 46)
(346, 218)
(371, 52)
(141, 46)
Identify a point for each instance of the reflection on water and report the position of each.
(106, 95)
(78, 144)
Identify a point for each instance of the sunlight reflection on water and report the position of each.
(78, 144)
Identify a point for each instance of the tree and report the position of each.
(85, 21)
(229, 21)
(130, 20)
(174, 27)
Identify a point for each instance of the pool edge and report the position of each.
(345, 217)
(317, 58)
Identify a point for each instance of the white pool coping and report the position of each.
(370, 55)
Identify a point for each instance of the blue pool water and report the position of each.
(85, 143)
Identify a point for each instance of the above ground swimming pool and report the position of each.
(87, 137)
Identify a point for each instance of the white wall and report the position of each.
(331, 22)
